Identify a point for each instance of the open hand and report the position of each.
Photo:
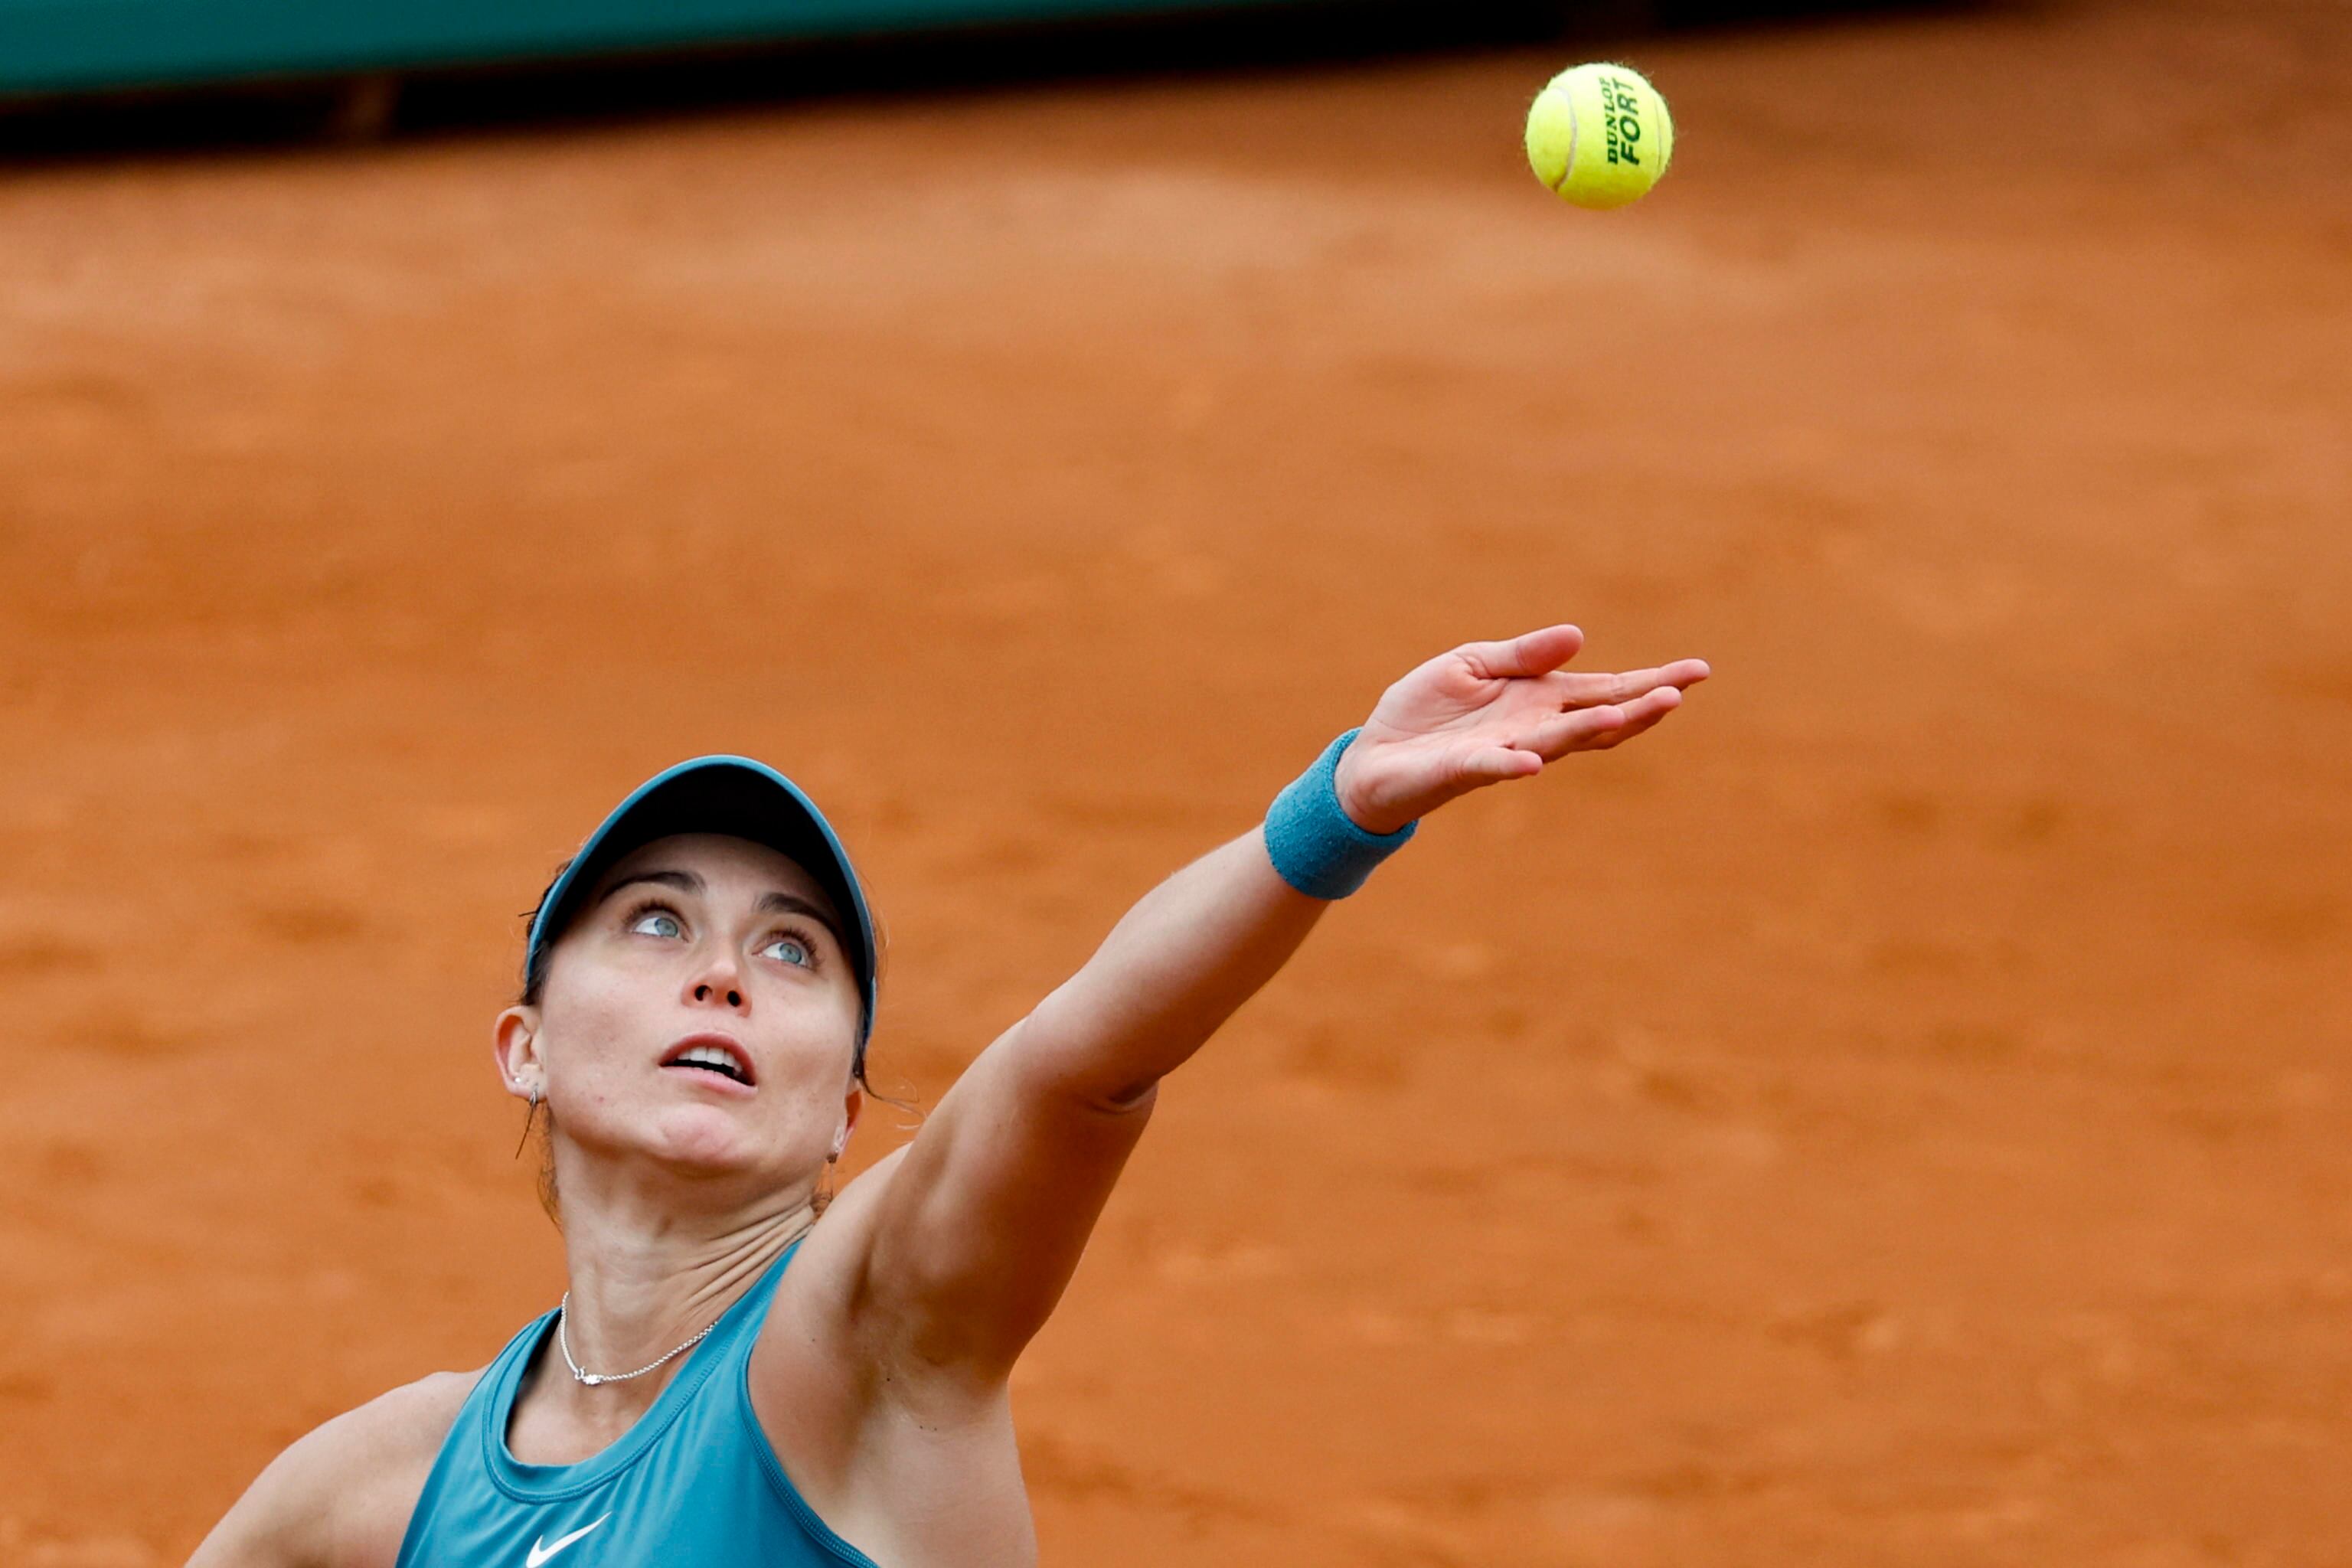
(1493, 711)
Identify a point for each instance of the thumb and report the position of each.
(1533, 653)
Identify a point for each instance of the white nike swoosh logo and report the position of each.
(541, 1551)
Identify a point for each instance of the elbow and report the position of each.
(1134, 1100)
(1056, 1067)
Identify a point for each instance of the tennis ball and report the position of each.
(1600, 135)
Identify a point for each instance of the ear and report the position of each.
(851, 1104)
(514, 1045)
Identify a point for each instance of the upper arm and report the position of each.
(986, 1220)
(979, 1224)
(276, 1524)
(339, 1497)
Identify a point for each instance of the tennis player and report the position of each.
(739, 1371)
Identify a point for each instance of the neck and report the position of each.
(645, 1274)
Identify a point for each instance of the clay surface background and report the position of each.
(1897, 1114)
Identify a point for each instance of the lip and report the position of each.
(728, 1043)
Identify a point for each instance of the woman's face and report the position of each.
(700, 1012)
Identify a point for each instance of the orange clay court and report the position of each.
(1900, 1114)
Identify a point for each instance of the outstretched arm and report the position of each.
(983, 1220)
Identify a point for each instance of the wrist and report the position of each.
(1316, 844)
(1347, 784)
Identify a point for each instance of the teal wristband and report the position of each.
(1315, 845)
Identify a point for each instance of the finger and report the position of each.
(1492, 764)
(1574, 731)
(1640, 716)
(1536, 653)
(1685, 673)
(1626, 685)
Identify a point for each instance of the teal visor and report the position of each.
(731, 796)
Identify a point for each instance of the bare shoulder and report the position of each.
(341, 1496)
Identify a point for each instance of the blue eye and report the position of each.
(789, 950)
(656, 923)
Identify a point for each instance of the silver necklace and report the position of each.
(563, 1316)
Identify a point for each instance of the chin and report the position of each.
(706, 1140)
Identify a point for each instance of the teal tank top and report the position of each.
(693, 1483)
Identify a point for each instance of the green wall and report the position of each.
(71, 45)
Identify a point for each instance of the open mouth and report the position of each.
(723, 1058)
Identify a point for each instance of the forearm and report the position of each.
(1178, 965)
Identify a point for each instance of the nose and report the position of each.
(719, 985)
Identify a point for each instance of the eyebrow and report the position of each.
(789, 904)
(684, 881)
(770, 903)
